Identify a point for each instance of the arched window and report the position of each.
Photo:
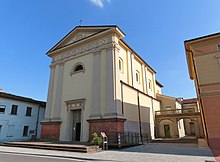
(121, 65)
(77, 68)
(137, 76)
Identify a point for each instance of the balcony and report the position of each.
(188, 111)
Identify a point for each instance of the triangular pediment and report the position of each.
(79, 33)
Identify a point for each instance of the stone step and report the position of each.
(51, 146)
(174, 141)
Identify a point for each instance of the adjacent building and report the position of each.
(203, 58)
(168, 122)
(178, 118)
(20, 118)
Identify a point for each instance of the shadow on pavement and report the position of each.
(165, 148)
(57, 156)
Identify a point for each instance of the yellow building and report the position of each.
(98, 83)
(178, 118)
(203, 58)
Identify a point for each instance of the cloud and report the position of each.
(99, 3)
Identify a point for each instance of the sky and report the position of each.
(155, 29)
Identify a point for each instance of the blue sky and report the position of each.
(155, 29)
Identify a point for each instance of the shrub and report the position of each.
(96, 140)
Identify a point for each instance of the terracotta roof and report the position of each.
(190, 100)
(20, 98)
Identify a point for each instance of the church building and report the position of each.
(98, 83)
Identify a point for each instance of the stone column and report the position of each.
(58, 96)
(50, 93)
(95, 112)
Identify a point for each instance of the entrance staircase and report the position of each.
(60, 146)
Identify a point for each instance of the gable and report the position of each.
(79, 33)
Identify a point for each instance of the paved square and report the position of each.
(152, 152)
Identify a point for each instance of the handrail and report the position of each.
(176, 111)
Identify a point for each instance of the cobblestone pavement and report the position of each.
(153, 152)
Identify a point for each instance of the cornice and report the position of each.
(92, 46)
(83, 50)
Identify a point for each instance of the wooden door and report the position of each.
(167, 131)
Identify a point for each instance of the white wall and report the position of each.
(181, 128)
(17, 122)
(178, 105)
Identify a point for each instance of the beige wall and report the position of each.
(191, 105)
(176, 128)
(77, 86)
(132, 65)
(208, 67)
(206, 58)
(173, 129)
(167, 102)
(131, 111)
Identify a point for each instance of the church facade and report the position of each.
(98, 83)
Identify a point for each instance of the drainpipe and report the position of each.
(139, 114)
(115, 81)
(122, 100)
(36, 128)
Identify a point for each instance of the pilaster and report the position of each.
(109, 103)
(50, 93)
(144, 83)
(117, 83)
(95, 112)
(57, 106)
(132, 69)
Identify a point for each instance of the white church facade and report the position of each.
(98, 83)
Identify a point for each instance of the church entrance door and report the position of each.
(76, 130)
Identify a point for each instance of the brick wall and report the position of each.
(212, 114)
(50, 131)
(105, 125)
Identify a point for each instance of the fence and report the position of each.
(120, 139)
